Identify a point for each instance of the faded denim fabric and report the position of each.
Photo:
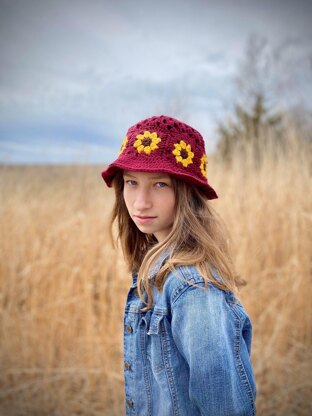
(190, 354)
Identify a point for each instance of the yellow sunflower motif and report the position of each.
(204, 165)
(123, 145)
(183, 153)
(146, 142)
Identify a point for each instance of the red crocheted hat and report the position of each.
(164, 144)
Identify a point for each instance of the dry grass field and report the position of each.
(63, 286)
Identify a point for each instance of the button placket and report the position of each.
(129, 330)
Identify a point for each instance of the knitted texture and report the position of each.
(164, 144)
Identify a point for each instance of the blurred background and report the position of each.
(74, 76)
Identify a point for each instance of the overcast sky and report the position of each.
(74, 75)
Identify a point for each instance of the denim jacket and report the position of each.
(189, 354)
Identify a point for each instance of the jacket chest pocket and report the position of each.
(154, 337)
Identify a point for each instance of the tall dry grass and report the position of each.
(63, 286)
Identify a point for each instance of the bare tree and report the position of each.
(265, 77)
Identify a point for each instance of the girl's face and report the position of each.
(150, 201)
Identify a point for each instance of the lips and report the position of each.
(144, 218)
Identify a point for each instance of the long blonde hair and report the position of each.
(198, 237)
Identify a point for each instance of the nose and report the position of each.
(142, 200)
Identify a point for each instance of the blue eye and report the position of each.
(130, 182)
(161, 184)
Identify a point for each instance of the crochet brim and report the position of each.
(109, 174)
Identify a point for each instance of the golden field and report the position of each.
(63, 285)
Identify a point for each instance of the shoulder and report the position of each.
(185, 279)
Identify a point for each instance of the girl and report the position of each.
(187, 339)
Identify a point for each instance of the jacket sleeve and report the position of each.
(214, 338)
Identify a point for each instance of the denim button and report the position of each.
(127, 366)
(129, 329)
(130, 403)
